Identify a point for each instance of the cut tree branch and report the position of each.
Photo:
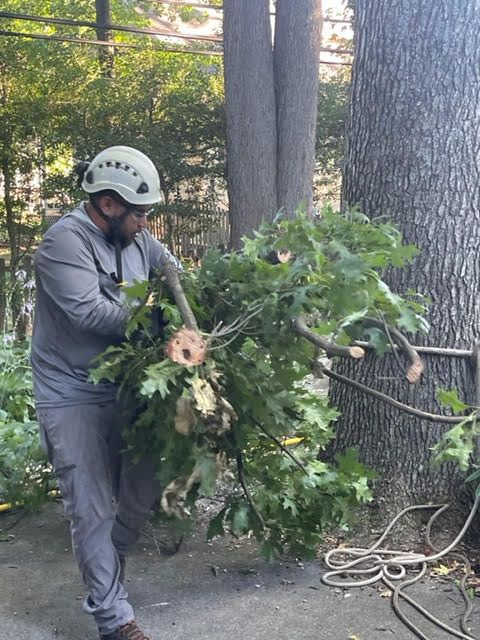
(432, 417)
(331, 349)
(416, 365)
(170, 275)
(186, 346)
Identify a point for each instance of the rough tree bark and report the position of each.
(297, 50)
(250, 111)
(413, 155)
(271, 102)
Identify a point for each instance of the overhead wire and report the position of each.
(215, 7)
(111, 27)
(128, 29)
(104, 43)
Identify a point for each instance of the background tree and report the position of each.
(412, 156)
(58, 104)
(270, 100)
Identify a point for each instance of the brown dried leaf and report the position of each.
(184, 417)
(228, 414)
(204, 396)
(174, 494)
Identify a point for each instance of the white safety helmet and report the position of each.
(125, 170)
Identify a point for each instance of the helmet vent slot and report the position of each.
(143, 188)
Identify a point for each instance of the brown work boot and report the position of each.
(129, 631)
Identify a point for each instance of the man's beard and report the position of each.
(117, 234)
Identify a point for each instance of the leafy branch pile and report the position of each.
(228, 417)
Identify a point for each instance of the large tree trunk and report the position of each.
(271, 108)
(298, 27)
(250, 115)
(413, 155)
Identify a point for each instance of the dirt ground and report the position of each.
(216, 591)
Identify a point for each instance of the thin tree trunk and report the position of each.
(16, 292)
(413, 156)
(250, 115)
(298, 28)
(105, 53)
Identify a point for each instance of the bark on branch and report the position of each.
(416, 365)
(173, 281)
(432, 417)
(186, 346)
(331, 349)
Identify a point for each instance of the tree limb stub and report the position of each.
(186, 346)
(331, 349)
(416, 367)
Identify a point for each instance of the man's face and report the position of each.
(129, 219)
(134, 222)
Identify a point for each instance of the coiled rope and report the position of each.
(390, 566)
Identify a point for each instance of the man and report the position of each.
(79, 266)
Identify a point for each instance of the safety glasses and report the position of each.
(138, 213)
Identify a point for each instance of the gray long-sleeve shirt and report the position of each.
(79, 310)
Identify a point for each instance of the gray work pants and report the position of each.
(106, 497)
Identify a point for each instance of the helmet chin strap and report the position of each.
(115, 238)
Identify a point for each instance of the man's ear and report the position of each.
(107, 205)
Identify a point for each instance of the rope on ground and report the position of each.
(390, 566)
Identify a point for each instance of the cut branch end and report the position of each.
(187, 347)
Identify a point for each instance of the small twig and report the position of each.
(224, 344)
(236, 325)
(282, 447)
(331, 349)
(241, 477)
(392, 344)
(389, 400)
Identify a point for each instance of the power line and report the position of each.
(104, 43)
(127, 45)
(113, 27)
(180, 3)
(130, 29)
(191, 4)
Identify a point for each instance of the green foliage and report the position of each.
(458, 443)
(234, 411)
(60, 101)
(24, 473)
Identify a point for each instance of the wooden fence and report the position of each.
(191, 236)
(187, 237)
